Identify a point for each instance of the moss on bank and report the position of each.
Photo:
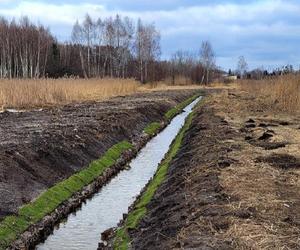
(178, 108)
(122, 239)
(152, 128)
(12, 226)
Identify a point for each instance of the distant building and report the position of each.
(232, 78)
(229, 78)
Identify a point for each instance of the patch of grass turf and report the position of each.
(122, 239)
(12, 226)
(178, 108)
(152, 128)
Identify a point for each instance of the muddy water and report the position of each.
(105, 209)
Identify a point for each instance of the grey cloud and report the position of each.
(264, 31)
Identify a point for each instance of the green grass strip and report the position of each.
(122, 239)
(154, 127)
(12, 226)
(178, 108)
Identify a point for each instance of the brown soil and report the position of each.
(235, 183)
(40, 148)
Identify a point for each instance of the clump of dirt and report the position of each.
(283, 161)
(269, 145)
(41, 148)
(266, 135)
(260, 135)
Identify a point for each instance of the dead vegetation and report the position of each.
(280, 93)
(20, 93)
(31, 93)
(264, 179)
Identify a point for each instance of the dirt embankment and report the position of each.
(40, 148)
(235, 183)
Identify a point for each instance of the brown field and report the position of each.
(280, 93)
(22, 94)
(42, 92)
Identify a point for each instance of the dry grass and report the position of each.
(178, 80)
(281, 92)
(43, 92)
(271, 193)
(257, 188)
(31, 93)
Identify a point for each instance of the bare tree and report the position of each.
(99, 35)
(87, 30)
(183, 63)
(78, 40)
(99, 48)
(147, 47)
(207, 59)
(24, 49)
(242, 66)
(125, 33)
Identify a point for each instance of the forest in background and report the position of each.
(114, 47)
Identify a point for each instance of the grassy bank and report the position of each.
(122, 239)
(154, 127)
(12, 226)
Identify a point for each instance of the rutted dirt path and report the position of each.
(40, 148)
(235, 183)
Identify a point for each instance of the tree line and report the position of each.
(259, 73)
(199, 67)
(114, 47)
(110, 47)
(24, 49)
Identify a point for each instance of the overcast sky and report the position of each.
(265, 32)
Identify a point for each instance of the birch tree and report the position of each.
(147, 47)
(242, 66)
(207, 56)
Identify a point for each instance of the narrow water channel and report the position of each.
(105, 209)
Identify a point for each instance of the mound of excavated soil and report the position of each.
(40, 148)
(235, 183)
(189, 206)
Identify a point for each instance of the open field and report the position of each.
(44, 92)
(37, 93)
(127, 125)
(280, 93)
(233, 184)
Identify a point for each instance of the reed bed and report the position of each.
(28, 93)
(280, 92)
